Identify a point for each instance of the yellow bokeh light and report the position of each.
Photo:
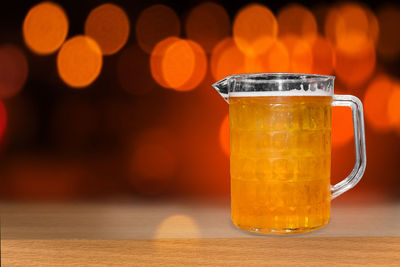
(254, 29)
(109, 26)
(45, 28)
(79, 61)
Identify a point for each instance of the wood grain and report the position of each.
(204, 252)
(176, 234)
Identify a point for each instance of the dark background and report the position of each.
(67, 144)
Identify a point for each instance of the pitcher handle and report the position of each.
(359, 140)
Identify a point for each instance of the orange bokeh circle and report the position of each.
(154, 24)
(297, 20)
(323, 56)
(79, 61)
(226, 59)
(393, 107)
(45, 28)
(109, 26)
(178, 64)
(350, 27)
(300, 54)
(355, 68)
(207, 24)
(376, 101)
(254, 29)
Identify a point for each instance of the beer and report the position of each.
(280, 162)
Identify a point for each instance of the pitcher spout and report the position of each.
(222, 88)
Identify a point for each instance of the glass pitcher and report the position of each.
(280, 144)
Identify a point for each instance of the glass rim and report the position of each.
(287, 77)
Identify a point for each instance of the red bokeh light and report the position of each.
(13, 70)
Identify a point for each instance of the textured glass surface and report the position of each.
(280, 162)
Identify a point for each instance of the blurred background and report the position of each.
(104, 100)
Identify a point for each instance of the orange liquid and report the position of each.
(280, 163)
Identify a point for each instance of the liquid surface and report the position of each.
(280, 162)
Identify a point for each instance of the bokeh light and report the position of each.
(45, 28)
(323, 56)
(13, 70)
(300, 54)
(207, 24)
(133, 71)
(376, 101)
(351, 27)
(153, 161)
(79, 61)
(224, 135)
(184, 65)
(3, 120)
(109, 26)
(200, 68)
(389, 22)
(393, 107)
(353, 69)
(297, 20)
(276, 59)
(178, 64)
(156, 59)
(342, 126)
(226, 59)
(154, 24)
(172, 227)
(254, 29)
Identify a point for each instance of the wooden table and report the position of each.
(176, 234)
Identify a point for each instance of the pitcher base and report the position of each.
(284, 231)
